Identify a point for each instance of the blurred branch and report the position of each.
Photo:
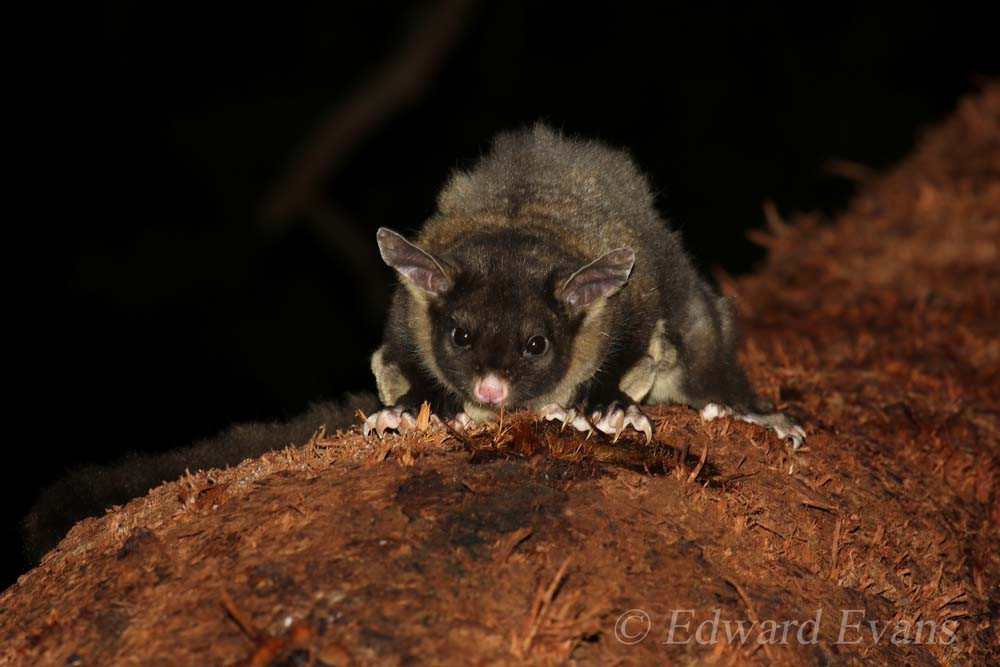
(340, 234)
(855, 172)
(397, 82)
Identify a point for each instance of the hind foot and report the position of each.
(787, 428)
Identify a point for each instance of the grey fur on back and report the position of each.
(583, 178)
(583, 195)
(592, 198)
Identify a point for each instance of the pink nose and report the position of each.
(491, 389)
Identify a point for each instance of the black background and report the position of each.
(181, 312)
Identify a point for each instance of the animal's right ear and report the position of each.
(413, 263)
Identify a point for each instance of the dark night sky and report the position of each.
(182, 313)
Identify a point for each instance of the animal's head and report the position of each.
(497, 316)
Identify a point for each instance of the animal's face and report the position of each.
(501, 341)
(503, 309)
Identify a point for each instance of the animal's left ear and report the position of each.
(599, 279)
(412, 262)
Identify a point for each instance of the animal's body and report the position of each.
(547, 280)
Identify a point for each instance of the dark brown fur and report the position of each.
(88, 490)
(506, 237)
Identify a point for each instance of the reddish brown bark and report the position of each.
(525, 545)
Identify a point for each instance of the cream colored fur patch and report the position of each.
(389, 379)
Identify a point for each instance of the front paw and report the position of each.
(612, 421)
(556, 412)
(395, 418)
(402, 420)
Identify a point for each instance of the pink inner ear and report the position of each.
(599, 279)
(413, 263)
(426, 279)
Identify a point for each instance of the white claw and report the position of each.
(614, 421)
(581, 423)
(567, 418)
(555, 412)
(787, 429)
(406, 422)
(618, 423)
(377, 421)
(395, 418)
(577, 421)
(638, 420)
(552, 411)
(784, 426)
(387, 419)
(714, 411)
(461, 421)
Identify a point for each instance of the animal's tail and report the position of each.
(90, 489)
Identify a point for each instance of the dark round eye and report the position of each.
(536, 345)
(461, 337)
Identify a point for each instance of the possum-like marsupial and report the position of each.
(547, 280)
